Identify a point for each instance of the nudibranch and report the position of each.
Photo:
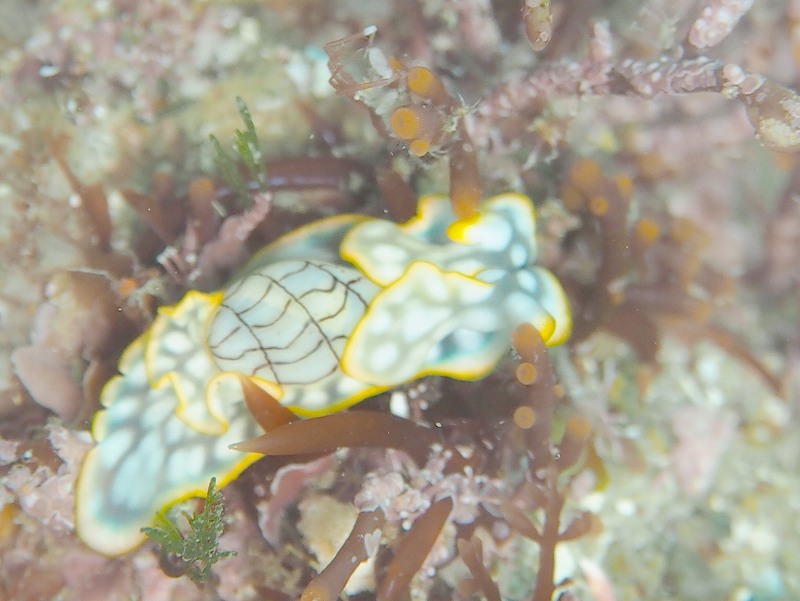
(328, 315)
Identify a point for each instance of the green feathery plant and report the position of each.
(198, 549)
(248, 155)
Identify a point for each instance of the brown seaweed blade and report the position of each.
(268, 412)
(330, 582)
(413, 549)
(399, 198)
(350, 429)
(471, 553)
(528, 343)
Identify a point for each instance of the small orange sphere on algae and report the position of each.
(586, 175)
(412, 121)
(527, 341)
(624, 185)
(598, 206)
(419, 147)
(647, 231)
(418, 125)
(424, 83)
(524, 417)
(526, 373)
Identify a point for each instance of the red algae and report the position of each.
(659, 147)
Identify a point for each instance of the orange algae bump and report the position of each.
(419, 147)
(424, 83)
(526, 373)
(624, 185)
(526, 340)
(417, 125)
(578, 428)
(598, 206)
(412, 122)
(586, 174)
(405, 123)
(524, 417)
(647, 231)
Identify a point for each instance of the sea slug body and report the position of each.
(326, 316)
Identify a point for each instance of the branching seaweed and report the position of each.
(247, 165)
(198, 550)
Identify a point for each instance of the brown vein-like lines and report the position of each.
(293, 289)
